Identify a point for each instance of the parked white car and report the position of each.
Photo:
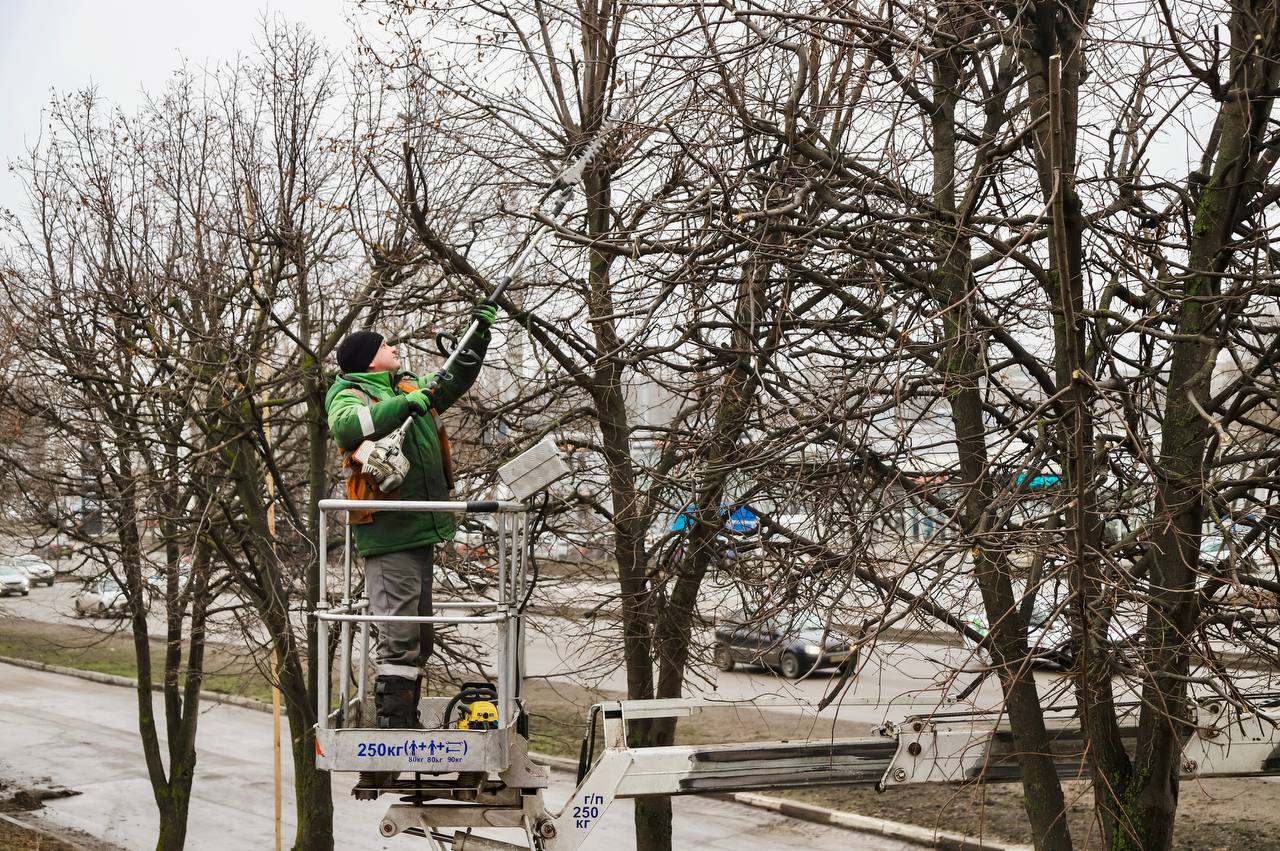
(1217, 552)
(39, 571)
(100, 597)
(158, 582)
(1048, 636)
(1049, 632)
(13, 581)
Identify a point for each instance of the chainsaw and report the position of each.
(384, 459)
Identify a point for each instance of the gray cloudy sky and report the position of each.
(122, 46)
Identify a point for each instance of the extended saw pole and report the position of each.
(564, 185)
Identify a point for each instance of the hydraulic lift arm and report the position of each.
(937, 748)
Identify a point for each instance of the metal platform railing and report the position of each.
(359, 747)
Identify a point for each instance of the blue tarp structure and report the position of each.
(1038, 482)
(742, 521)
(683, 520)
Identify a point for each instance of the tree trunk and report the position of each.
(963, 364)
(312, 786)
(313, 792)
(1054, 85)
(1149, 800)
(653, 813)
(298, 683)
(173, 807)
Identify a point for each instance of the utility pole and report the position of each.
(275, 655)
(271, 530)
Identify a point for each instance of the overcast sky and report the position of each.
(122, 46)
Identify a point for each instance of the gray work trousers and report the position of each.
(400, 584)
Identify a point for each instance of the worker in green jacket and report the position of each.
(370, 398)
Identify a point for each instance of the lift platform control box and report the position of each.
(534, 469)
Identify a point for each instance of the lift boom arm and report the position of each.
(938, 748)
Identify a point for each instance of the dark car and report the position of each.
(793, 646)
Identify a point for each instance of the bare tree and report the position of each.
(197, 253)
(977, 227)
(645, 300)
(120, 206)
(914, 282)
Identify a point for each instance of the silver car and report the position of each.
(36, 569)
(100, 597)
(13, 581)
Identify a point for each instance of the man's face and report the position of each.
(386, 360)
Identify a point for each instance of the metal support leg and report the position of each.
(505, 658)
(344, 668)
(322, 675)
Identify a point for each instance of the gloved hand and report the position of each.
(419, 402)
(486, 313)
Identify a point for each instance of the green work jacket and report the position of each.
(395, 531)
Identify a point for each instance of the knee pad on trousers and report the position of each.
(396, 701)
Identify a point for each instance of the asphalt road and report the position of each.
(83, 735)
(55, 604)
(898, 678)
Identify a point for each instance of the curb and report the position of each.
(814, 813)
(115, 680)
(41, 830)
(940, 839)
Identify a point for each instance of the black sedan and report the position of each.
(793, 647)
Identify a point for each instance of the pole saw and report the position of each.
(384, 459)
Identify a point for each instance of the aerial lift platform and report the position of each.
(456, 776)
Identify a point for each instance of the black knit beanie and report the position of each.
(357, 349)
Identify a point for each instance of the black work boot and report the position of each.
(395, 701)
